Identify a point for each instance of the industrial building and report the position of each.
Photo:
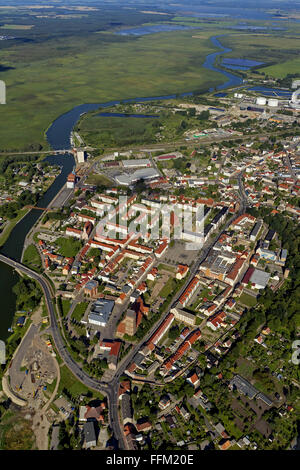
(137, 163)
(100, 312)
(143, 174)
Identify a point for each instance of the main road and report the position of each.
(103, 387)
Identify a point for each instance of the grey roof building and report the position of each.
(260, 278)
(243, 386)
(89, 434)
(128, 179)
(100, 312)
(126, 408)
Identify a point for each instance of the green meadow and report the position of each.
(59, 64)
(271, 48)
(280, 70)
(48, 79)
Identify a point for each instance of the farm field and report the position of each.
(64, 73)
(280, 70)
(59, 64)
(271, 48)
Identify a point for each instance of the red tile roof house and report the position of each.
(216, 321)
(87, 412)
(152, 274)
(193, 380)
(164, 402)
(182, 271)
(143, 427)
(113, 348)
(124, 387)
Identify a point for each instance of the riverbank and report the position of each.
(11, 225)
(14, 244)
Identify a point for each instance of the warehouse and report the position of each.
(137, 163)
(145, 174)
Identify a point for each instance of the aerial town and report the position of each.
(149, 227)
(155, 274)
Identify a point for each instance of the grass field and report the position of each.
(79, 311)
(48, 79)
(165, 267)
(280, 70)
(248, 300)
(99, 180)
(113, 131)
(65, 306)
(75, 388)
(168, 288)
(68, 246)
(270, 48)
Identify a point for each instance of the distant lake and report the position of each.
(242, 62)
(126, 115)
(235, 67)
(248, 27)
(156, 28)
(272, 91)
(208, 11)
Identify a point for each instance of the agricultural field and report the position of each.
(279, 70)
(57, 62)
(271, 48)
(68, 70)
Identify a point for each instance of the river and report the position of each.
(58, 136)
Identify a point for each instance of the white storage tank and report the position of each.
(273, 103)
(261, 100)
(295, 84)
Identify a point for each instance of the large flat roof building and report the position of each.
(134, 163)
(100, 312)
(128, 179)
(260, 279)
